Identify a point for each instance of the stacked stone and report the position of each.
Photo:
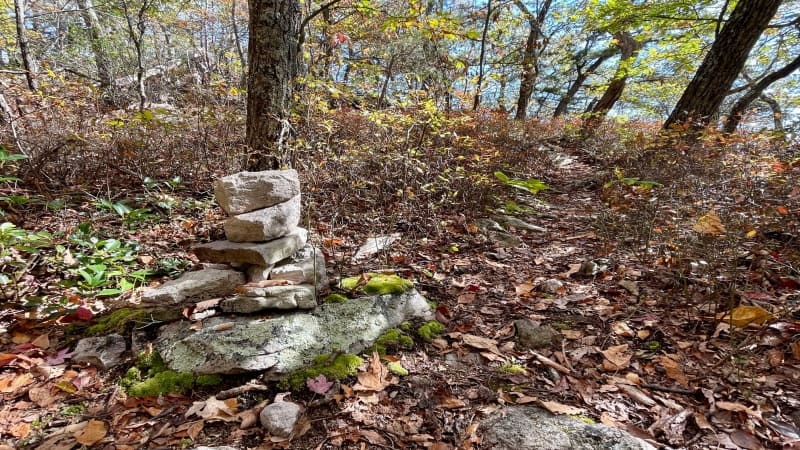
(264, 244)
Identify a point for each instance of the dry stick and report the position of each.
(550, 363)
(239, 390)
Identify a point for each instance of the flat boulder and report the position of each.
(299, 296)
(264, 224)
(306, 266)
(263, 254)
(281, 344)
(193, 286)
(103, 352)
(247, 191)
(532, 428)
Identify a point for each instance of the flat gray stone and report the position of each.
(533, 335)
(531, 428)
(255, 253)
(375, 244)
(279, 418)
(299, 296)
(264, 224)
(247, 191)
(103, 352)
(511, 221)
(194, 286)
(279, 345)
(258, 273)
(307, 266)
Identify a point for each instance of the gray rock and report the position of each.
(551, 286)
(531, 428)
(264, 224)
(247, 191)
(306, 266)
(503, 239)
(532, 335)
(279, 418)
(374, 245)
(103, 352)
(258, 254)
(630, 286)
(258, 273)
(288, 342)
(511, 221)
(194, 286)
(299, 296)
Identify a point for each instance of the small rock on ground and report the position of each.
(279, 418)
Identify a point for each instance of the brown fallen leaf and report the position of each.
(481, 343)
(376, 378)
(560, 408)
(451, 403)
(616, 358)
(744, 315)
(267, 283)
(710, 224)
(374, 438)
(673, 370)
(93, 433)
(213, 409)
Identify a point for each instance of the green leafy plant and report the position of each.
(631, 181)
(532, 185)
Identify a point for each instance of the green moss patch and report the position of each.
(430, 330)
(397, 369)
(340, 367)
(377, 284)
(118, 321)
(336, 298)
(393, 339)
(151, 378)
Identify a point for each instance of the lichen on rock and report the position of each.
(377, 284)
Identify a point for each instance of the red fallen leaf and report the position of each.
(473, 288)
(443, 314)
(84, 313)
(7, 358)
(789, 283)
(320, 384)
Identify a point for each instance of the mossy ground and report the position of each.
(336, 298)
(342, 366)
(118, 321)
(393, 339)
(430, 330)
(377, 284)
(151, 378)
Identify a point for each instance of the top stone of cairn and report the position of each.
(247, 191)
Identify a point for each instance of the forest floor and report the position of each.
(676, 296)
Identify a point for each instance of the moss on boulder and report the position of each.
(393, 339)
(377, 284)
(332, 367)
(336, 298)
(150, 378)
(430, 330)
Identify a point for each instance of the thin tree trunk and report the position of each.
(136, 34)
(629, 48)
(741, 105)
(530, 58)
(722, 64)
(272, 65)
(96, 36)
(237, 39)
(479, 85)
(577, 84)
(22, 39)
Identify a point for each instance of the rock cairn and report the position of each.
(265, 261)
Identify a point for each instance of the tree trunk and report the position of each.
(576, 85)
(22, 39)
(96, 36)
(530, 58)
(629, 48)
(722, 64)
(273, 62)
(741, 105)
(479, 84)
(238, 40)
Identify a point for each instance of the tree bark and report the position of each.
(273, 63)
(581, 77)
(22, 40)
(741, 105)
(629, 48)
(722, 64)
(530, 58)
(238, 40)
(96, 36)
(479, 84)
